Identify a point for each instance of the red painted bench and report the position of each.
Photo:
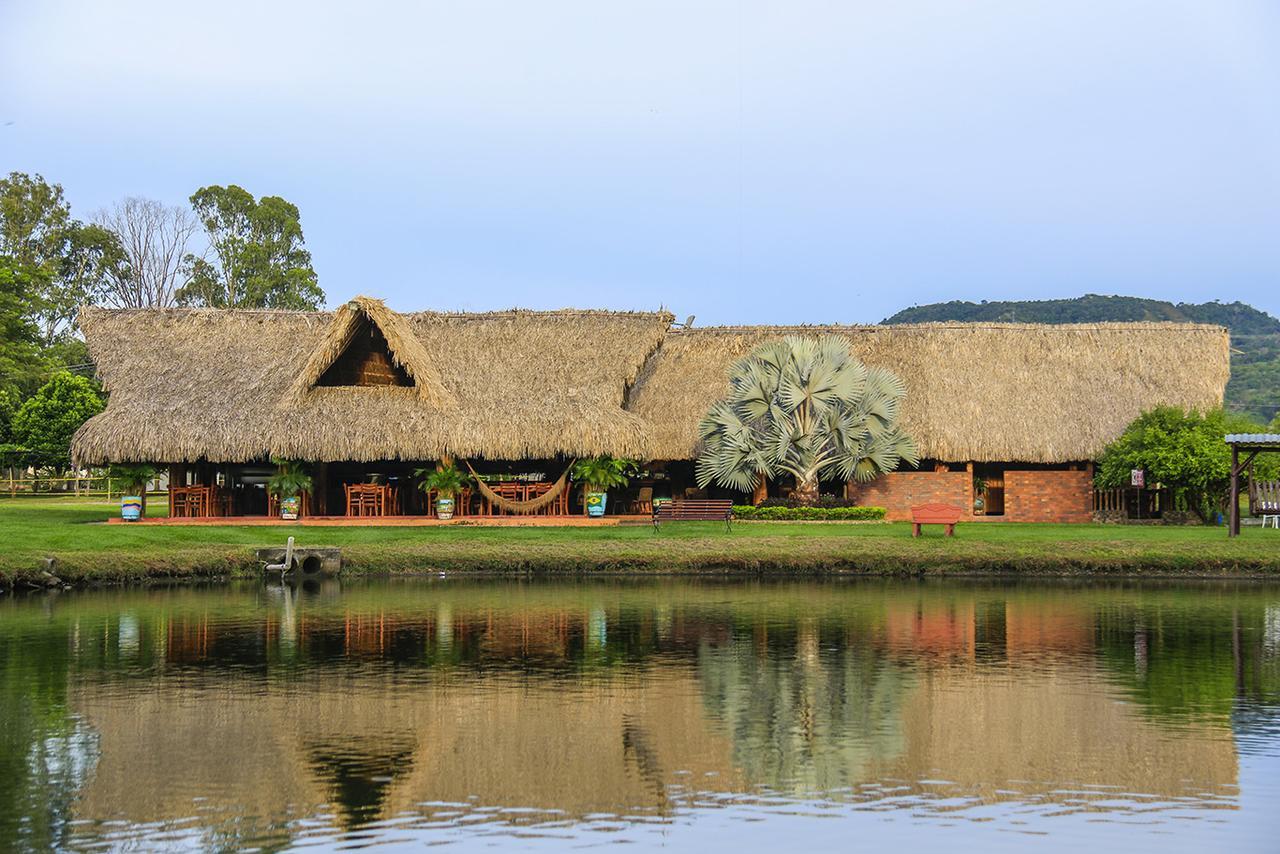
(935, 514)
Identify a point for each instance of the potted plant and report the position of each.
(289, 481)
(446, 480)
(134, 479)
(979, 495)
(598, 475)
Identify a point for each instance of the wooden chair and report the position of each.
(373, 499)
(509, 491)
(643, 502)
(361, 501)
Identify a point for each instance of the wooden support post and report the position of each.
(968, 467)
(1233, 512)
(320, 489)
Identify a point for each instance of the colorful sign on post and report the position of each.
(1138, 478)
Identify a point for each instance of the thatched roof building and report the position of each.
(365, 383)
(231, 386)
(983, 392)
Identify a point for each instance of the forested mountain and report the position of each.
(1255, 335)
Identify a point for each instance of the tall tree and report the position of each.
(69, 261)
(154, 243)
(7, 409)
(257, 257)
(33, 219)
(20, 358)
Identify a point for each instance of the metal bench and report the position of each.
(935, 514)
(693, 510)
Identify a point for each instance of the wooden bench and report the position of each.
(693, 510)
(935, 514)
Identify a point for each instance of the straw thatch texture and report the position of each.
(982, 392)
(406, 351)
(231, 386)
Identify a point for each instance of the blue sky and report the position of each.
(741, 161)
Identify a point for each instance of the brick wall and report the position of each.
(899, 490)
(1048, 496)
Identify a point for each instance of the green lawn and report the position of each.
(31, 529)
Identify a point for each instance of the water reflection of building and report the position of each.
(371, 748)
(371, 713)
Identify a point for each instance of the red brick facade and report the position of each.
(1048, 496)
(899, 490)
(1029, 496)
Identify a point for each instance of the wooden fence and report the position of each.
(102, 486)
(1137, 503)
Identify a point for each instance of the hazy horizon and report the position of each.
(741, 162)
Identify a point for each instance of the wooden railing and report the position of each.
(102, 486)
(1137, 503)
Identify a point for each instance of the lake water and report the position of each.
(744, 716)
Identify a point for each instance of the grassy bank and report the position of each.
(32, 529)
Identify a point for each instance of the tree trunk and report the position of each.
(761, 492)
(806, 492)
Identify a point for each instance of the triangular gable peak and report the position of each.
(369, 345)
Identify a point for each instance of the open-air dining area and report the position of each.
(346, 491)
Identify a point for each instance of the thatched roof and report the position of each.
(405, 348)
(230, 386)
(982, 392)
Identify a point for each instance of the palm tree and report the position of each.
(804, 406)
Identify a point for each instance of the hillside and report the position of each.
(1255, 335)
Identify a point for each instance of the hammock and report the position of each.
(533, 505)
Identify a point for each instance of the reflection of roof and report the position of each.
(604, 745)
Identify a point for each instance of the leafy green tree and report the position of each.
(804, 406)
(7, 409)
(34, 217)
(20, 358)
(45, 423)
(257, 255)
(1184, 451)
(90, 256)
(69, 262)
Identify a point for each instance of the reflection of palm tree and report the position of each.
(804, 720)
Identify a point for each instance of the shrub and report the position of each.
(826, 500)
(808, 514)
